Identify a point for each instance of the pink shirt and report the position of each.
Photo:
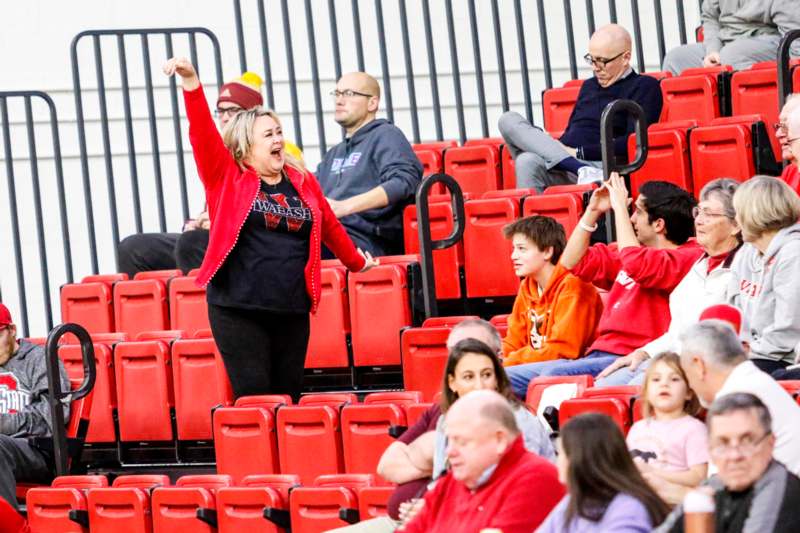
(671, 445)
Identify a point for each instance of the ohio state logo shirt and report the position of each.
(12, 397)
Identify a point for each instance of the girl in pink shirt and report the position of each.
(669, 443)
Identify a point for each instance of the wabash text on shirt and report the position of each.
(282, 212)
(12, 398)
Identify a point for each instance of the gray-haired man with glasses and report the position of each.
(541, 160)
(752, 491)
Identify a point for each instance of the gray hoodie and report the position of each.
(767, 290)
(727, 20)
(24, 411)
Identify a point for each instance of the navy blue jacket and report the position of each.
(378, 154)
(583, 131)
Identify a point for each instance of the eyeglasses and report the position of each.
(348, 93)
(230, 111)
(746, 447)
(780, 126)
(705, 213)
(600, 62)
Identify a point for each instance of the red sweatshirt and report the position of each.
(517, 497)
(791, 175)
(639, 280)
(231, 191)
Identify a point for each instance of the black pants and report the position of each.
(20, 461)
(784, 374)
(162, 251)
(264, 353)
(768, 365)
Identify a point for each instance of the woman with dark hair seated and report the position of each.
(606, 492)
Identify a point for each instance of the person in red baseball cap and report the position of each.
(24, 411)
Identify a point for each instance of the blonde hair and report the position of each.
(672, 360)
(238, 136)
(763, 204)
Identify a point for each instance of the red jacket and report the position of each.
(518, 496)
(231, 191)
(639, 280)
(791, 175)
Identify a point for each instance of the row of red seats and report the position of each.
(203, 503)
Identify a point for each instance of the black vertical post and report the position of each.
(637, 35)
(151, 117)
(612, 10)
(476, 51)
(523, 61)
(590, 16)
(312, 51)
(387, 79)
(176, 129)
(681, 20)
(265, 58)
(451, 33)
(412, 91)
(662, 47)
(501, 60)
(573, 65)
(437, 108)
(548, 74)
(62, 202)
(237, 14)
(287, 34)
(128, 118)
(337, 56)
(357, 34)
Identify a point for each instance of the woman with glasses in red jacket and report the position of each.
(269, 219)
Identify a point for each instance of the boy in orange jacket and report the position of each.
(555, 314)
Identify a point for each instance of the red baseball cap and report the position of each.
(5, 316)
(726, 313)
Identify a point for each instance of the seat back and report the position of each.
(125, 507)
(175, 508)
(88, 304)
(327, 344)
(483, 232)
(365, 434)
(140, 305)
(719, 151)
(616, 409)
(245, 441)
(755, 91)
(316, 509)
(564, 387)
(557, 105)
(446, 263)
(104, 396)
(667, 159)
(475, 168)
(565, 208)
(49, 507)
(690, 97)
(431, 161)
(373, 502)
(188, 310)
(163, 275)
(424, 359)
(310, 431)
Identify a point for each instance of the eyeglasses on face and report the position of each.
(600, 62)
(230, 111)
(747, 446)
(705, 213)
(348, 93)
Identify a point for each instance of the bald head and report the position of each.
(361, 82)
(612, 35)
(357, 99)
(478, 329)
(789, 128)
(484, 408)
(610, 52)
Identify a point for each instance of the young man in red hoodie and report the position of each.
(652, 254)
(493, 483)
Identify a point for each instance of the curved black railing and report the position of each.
(784, 73)
(426, 244)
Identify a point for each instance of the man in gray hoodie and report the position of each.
(24, 411)
(737, 33)
(373, 174)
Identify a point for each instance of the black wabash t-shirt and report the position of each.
(265, 269)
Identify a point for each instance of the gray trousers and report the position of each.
(535, 154)
(20, 461)
(741, 53)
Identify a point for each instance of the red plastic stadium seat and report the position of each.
(187, 305)
(312, 430)
(108, 279)
(507, 169)
(446, 321)
(175, 508)
(575, 189)
(327, 345)
(101, 420)
(316, 509)
(616, 409)
(755, 92)
(88, 304)
(475, 168)
(446, 262)
(791, 386)
(140, 305)
(538, 385)
(365, 434)
(557, 105)
(415, 411)
(424, 358)
(245, 440)
(439, 146)
(402, 398)
(497, 142)
(721, 150)
(373, 502)
(201, 383)
(125, 507)
(163, 275)
(516, 194)
(659, 75)
(565, 208)
(484, 239)
(667, 156)
(379, 309)
(144, 391)
(431, 161)
(49, 507)
(168, 335)
(242, 508)
(690, 97)
(500, 322)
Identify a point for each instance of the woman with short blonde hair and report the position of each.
(766, 285)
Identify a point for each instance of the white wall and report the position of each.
(35, 38)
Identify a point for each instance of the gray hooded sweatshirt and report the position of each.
(727, 20)
(24, 411)
(767, 290)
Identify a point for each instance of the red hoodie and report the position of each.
(639, 280)
(231, 191)
(516, 498)
(791, 175)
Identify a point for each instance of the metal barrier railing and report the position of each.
(481, 70)
(28, 97)
(426, 244)
(98, 38)
(784, 72)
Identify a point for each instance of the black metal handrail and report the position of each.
(784, 73)
(426, 244)
(610, 163)
(56, 396)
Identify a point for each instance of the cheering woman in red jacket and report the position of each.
(269, 219)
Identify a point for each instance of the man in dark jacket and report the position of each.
(24, 411)
(373, 174)
(752, 491)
